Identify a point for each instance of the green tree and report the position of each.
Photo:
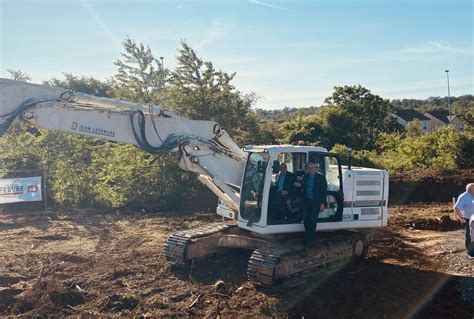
(129, 176)
(73, 180)
(83, 84)
(65, 158)
(467, 119)
(140, 76)
(361, 158)
(354, 116)
(303, 128)
(198, 91)
(19, 150)
(443, 148)
(413, 128)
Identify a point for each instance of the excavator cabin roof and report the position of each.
(283, 148)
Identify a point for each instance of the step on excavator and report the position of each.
(244, 180)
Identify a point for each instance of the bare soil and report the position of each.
(83, 263)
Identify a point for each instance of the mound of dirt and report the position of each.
(438, 217)
(47, 296)
(428, 186)
(445, 223)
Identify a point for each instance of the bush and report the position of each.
(444, 148)
(88, 172)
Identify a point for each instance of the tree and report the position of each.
(82, 84)
(19, 75)
(197, 91)
(413, 128)
(140, 76)
(355, 117)
(468, 119)
(304, 128)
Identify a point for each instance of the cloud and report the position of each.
(432, 47)
(423, 51)
(268, 5)
(436, 44)
(217, 31)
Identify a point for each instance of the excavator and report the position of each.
(242, 178)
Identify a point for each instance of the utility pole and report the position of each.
(449, 97)
(162, 80)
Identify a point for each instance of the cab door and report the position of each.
(329, 165)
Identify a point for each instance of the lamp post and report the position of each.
(162, 80)
(449, 96)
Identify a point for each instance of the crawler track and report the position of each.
(261, 267)
(176, 246)
(291, 264)
(274, 262)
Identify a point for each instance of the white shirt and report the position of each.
(465, 204)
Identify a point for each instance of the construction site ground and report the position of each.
(88, 263)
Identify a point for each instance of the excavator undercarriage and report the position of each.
(277, 260)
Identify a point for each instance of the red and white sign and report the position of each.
(14, 190)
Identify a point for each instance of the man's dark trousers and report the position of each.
(310, 220)
(313, 204)
(468, 232)
(283, 205)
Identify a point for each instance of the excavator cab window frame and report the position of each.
(253, 186)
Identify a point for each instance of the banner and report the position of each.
(14, 190)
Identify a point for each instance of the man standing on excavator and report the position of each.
(314, 187)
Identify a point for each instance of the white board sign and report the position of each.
(14, 190)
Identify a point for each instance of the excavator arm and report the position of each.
(203, 146)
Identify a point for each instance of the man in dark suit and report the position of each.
(314, 190)
(285, 189)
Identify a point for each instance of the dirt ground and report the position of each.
(83, 263)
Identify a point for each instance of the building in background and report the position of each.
(405, 116)
(441, 118)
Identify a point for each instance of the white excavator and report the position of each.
(242, 179)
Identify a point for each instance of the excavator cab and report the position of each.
(262, 207)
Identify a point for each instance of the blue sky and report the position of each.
(290, 53)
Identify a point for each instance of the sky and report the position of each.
(289, 53)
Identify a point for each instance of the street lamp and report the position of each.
(162, 79)
(449, 96)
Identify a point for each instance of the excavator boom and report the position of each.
(148, 127)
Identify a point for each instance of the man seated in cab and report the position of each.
(285, 190)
